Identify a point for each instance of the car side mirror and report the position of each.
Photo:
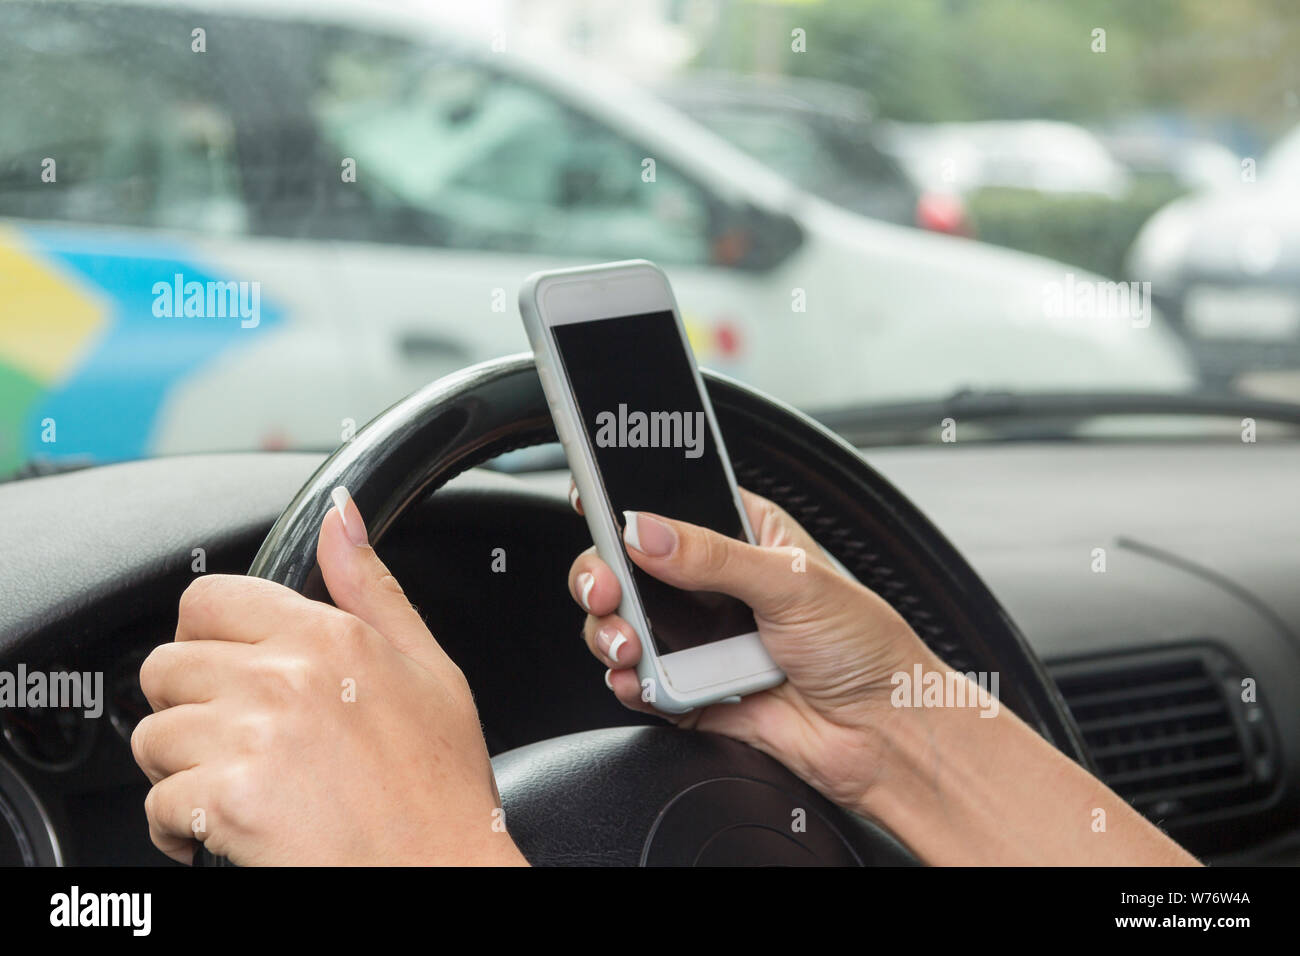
(750, 238)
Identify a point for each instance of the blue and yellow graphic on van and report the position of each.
(95, 333)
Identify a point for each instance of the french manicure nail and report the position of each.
(356, 528)
(650, 537)
(609, 683)
(629, 530)
(610, 641)
(586, 581)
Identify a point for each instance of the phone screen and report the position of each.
(655, 451)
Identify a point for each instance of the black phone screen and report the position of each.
(655, 451)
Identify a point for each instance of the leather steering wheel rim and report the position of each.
(465, 419)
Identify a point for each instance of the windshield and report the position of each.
(238, 225)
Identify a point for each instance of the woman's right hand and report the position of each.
(954, 787)
(838, 642)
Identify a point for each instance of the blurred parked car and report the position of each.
(1050, 157)
(1225, 266)
(823, 136)
(1163, 147)
(381, 184)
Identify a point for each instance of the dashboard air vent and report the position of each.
(1169, 730)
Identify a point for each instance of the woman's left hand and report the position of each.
(287, 731)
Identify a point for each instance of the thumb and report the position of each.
(774, 581)
(361, 584)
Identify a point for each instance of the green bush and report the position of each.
(1091, 232)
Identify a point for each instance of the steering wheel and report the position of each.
(659, 795)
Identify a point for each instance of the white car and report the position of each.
(1047, 156)
(1225, 267)
(375, 185)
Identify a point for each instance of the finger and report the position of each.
(188, 672)
(180, 849)
(771, 580)
(175, 809)
(627, 689)
(773, 526)
(612, 641)
(361, 584)
(233, 607)
(172, 740)
(593, 585)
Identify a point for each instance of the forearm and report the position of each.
(961, 789)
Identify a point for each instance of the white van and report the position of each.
(379, 184)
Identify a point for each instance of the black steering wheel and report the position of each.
(658, 795)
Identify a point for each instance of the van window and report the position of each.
(497, 164)
(114, 119)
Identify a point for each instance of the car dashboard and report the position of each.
(1156, 580)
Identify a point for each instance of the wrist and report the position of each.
(506, 853)
(959, 789)
(949, 756)
(498, 850)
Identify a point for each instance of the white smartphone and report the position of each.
(639, 432)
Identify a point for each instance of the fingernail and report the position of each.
(609, 683)
(573, 497)
(647, 535)
(586, 581)
(610, 640)
(355, 528)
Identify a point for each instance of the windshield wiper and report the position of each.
(1041, 414)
